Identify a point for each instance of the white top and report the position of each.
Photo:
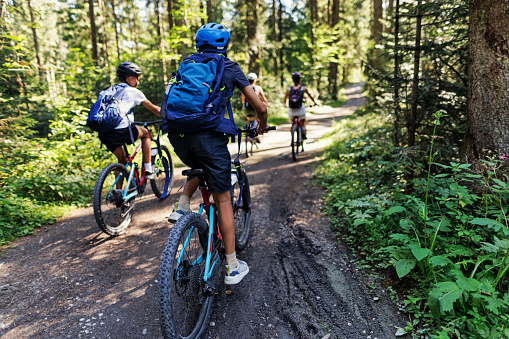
(131, 97)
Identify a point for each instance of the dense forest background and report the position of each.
(417, 179)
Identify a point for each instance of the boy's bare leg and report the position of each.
(226, 222)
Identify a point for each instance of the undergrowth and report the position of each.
(449, 241)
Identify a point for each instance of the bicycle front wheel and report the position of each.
(241, 203)
(111, 212)
(163, 169)
(183, 307)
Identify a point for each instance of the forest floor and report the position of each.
(69, 280)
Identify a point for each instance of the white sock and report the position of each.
(148, 167)
(185, 202)
(231, 260)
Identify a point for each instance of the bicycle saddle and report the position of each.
(198, 172)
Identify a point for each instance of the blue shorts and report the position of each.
(208, 151)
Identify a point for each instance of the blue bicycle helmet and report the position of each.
(212, 37)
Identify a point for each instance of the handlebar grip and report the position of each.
(271, 128)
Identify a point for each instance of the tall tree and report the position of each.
(170, 15)
(93, 30)
(488, 74)
(377, 20)
(274, 37)
(253, 50)
(415, 83)
(34, 35)
(210, 14)
(333, 65)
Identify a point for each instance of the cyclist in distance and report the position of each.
(208, 150)
(129, 75)
(293, 100)
(250, 112)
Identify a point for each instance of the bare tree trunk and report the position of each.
(202, 9)
(333, 66)
(253, 51)
(210, 14)
(412, 123)
(115, 22)
(93, 30)
(377, 21)
(488, 86)
(397, 110)
(160, 33)
(312, 21)
(274, 37)
(104, 36)
(280, 25)
(34, 34)
(170, 15)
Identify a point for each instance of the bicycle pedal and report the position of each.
(210, 291)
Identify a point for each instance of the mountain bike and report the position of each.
(297, 140)
(118, 186)
(193, 254)
(250, 143)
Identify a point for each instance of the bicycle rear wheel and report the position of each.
(183, 307)
(111, 212)
(295, 140)
(241, 208)
(163, 169)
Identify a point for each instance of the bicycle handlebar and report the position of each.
(147, 123)
(252, 132)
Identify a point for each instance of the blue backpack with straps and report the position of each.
(104, 115)
(196, 97)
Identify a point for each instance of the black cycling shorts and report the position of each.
(207, 151)
(118, 137)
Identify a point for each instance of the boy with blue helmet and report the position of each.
(208, 150)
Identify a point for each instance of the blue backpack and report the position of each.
(104, 115)
(196, 97)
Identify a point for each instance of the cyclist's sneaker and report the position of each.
(149, 175)
(177, 213)
(235, 274)
(304, 137)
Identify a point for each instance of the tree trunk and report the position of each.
(253, 51)
(333, 66)
(202, 10)
(115, 21)
(104, 35)
(160, 33)
(312, 22)
(397, 110)
(488, 80)
(134, 33)
(170, 15)
(377, 21)
(93, 30)
(34, 34)
(412, 123)
(274, 37)
(210, 14)
(280, 25)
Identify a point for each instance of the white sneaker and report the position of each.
(177, 213)
(235, 274)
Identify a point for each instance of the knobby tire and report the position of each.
(163, 167)
(108, 205)
(241, 210)
(184, 309)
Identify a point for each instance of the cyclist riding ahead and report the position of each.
(250, 112)
(129, 75)
(294, 96)
(208, 149)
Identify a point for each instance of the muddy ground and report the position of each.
(69, 280)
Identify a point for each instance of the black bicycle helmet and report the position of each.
(296, 75)
(126, 69)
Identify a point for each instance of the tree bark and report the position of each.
(377, 21)
(202, 10)
(333, 65)
(93, 30)
(412, 123)
(103, 35)
(488, 80)
(170, 15)
(253, 50)
(274, 37)
(160, 33)
(210, 14)
(397, 110)
(115, 21)
(34, 34)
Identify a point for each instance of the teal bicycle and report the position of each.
(118, 186)
(193, 255)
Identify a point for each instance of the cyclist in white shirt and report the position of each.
(129, 75)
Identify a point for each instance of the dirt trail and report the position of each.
(71, 281)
